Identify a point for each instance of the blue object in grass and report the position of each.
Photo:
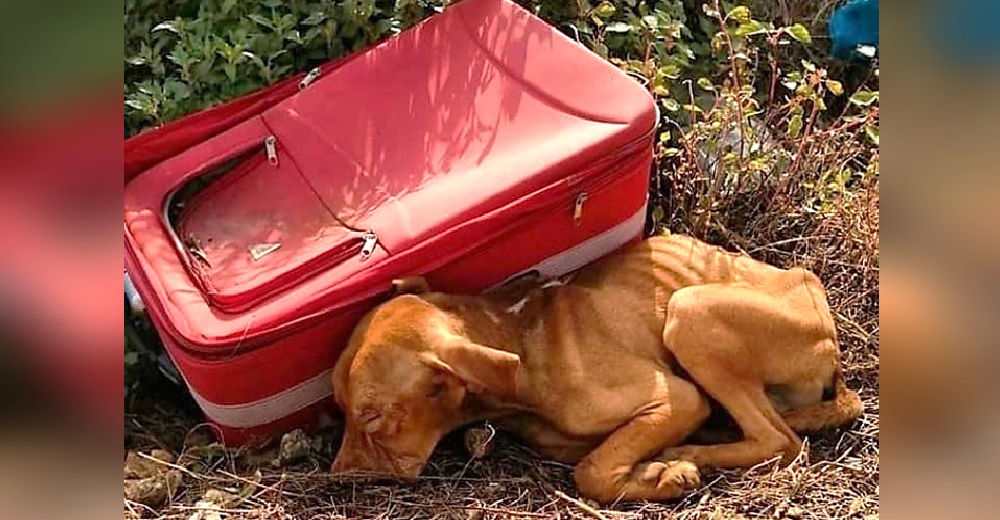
(854, 26)
(966, 31)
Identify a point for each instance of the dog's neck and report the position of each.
(504, 320)
(498, 320)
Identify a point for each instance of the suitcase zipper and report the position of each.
(271, 149)
(313, 75)
(596, 182)
(578, 207)
(368, 247)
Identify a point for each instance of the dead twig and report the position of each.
(581, 505)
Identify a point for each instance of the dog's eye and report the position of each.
(371, 420)
(437, 388)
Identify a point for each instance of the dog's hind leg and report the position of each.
(731, 341)
(620, 467)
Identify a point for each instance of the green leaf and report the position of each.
(706, 84)
(750, 28)
(670, 70)
(835, 87)
(808, 65)
(709, 11)
(135, 104)
(650, 21)
(260, 20)
(314, 18)
(863, 98)
(658, 214)
(170, 25)
(670, 152)
(872, 133)
(294, 36)
(664, 136)
(800, 33)
(227, 5)
(670, 104)
(177, 89)
(605, 9)
(740, 13)
(131, 358)
(618, 27)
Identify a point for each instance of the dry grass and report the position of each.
(836, 478)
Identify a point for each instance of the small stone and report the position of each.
(479, 441)
(217, 497)
(138, 467)
(794, 512)
(857, 504)
(211, 501)
(164, 456)
(155, 490)
(295, 446)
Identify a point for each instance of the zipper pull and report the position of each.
(271, 147)
(309, 78)
(369, 246)
(578, 207)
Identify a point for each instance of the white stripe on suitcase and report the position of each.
(291, 400)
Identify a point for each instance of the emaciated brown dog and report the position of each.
(608, 372)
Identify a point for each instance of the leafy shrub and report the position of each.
(185, 55)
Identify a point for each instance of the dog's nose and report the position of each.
(353, 459)
(348, 462)
(359, 463)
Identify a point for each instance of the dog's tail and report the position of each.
(844, 408)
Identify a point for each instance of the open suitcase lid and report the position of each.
(482, 108)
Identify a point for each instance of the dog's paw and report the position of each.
(671, 479)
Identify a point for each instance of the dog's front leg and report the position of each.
(616, 470)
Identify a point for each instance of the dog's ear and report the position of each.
(409, 285)
(482, 369)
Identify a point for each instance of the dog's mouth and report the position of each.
(378, 464)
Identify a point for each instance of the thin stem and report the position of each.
(736, 76)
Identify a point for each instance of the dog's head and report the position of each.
(402, 382)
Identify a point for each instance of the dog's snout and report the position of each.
(355, 459)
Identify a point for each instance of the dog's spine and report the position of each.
(843, 409)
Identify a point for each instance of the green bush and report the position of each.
(183, 55)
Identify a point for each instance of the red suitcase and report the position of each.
(476, 146)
